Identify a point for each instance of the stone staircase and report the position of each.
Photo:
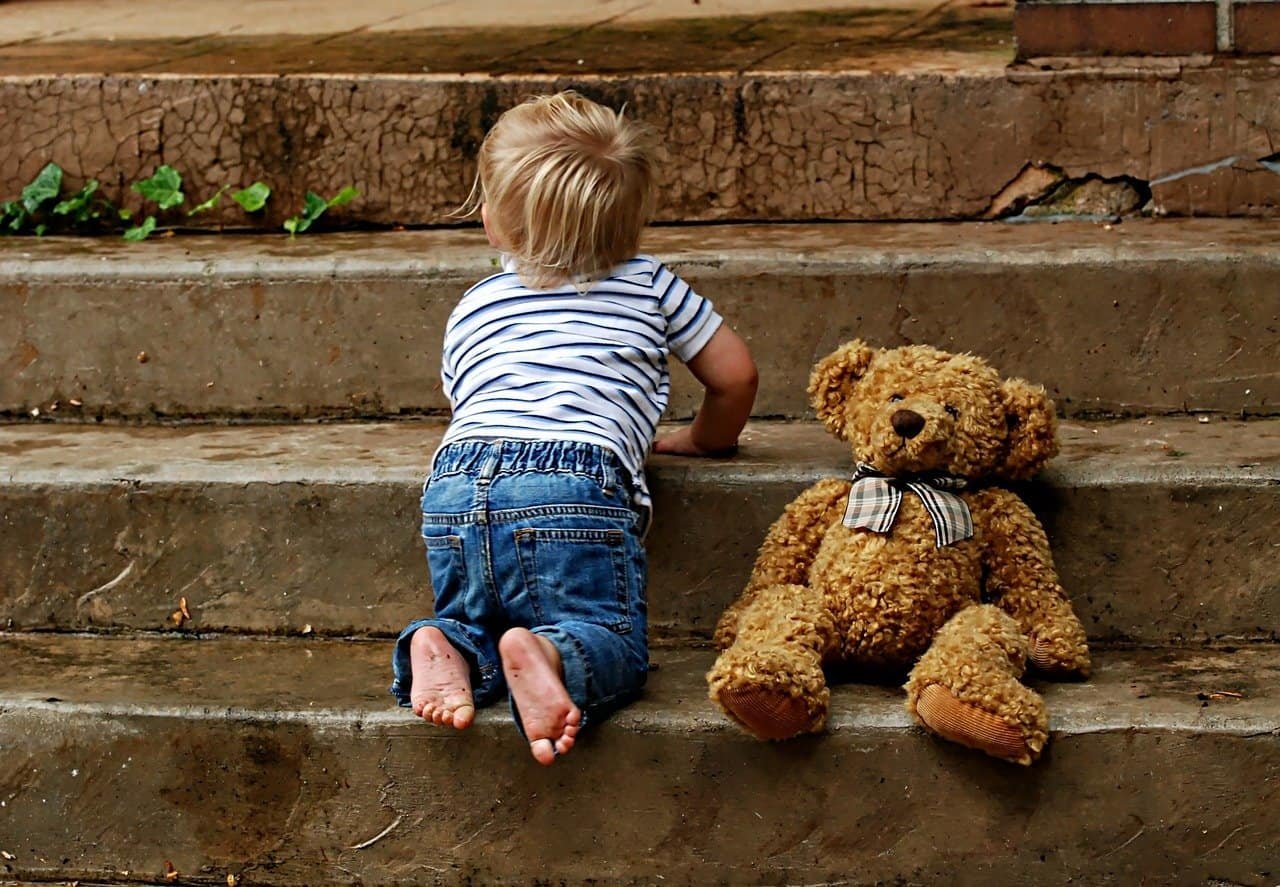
(213, 446)
(251, 734)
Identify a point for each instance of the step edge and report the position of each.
(893, 719)
(706, 264)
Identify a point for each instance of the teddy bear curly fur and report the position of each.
(966, 618)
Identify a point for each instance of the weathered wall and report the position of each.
(775, 146)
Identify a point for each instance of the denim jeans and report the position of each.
(541, 535)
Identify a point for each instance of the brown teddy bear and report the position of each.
(891, 570)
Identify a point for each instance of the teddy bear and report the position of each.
(922, 561)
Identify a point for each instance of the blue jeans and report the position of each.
(540, 535)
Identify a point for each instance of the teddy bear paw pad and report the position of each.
(970, 726)
(1059, 659)
(768, 714)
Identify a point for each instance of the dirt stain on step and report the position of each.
(240, 785)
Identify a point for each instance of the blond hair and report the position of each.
(567, 186)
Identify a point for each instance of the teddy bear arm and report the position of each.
(788, 549)
(1022, 581)
(792, 542)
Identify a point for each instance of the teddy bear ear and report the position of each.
(831, 383)
(1033, 429)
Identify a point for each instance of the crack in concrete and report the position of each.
(1141, 828)
(84, 599)
(556, 41)
(920, 20)
(1202, 169)
(1235, 831)
(1039, 189)
(369, 26)
(754, 63)
(380, 835)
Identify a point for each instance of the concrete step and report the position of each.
(1144, 317)
(493, 37)
(284, 762)
(903, 137)
(1163, 529)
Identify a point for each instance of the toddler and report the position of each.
(556, 368)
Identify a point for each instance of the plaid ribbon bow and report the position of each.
(876, 498)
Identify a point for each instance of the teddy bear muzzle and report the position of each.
(907, 423)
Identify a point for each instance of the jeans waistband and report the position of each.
(493, 455)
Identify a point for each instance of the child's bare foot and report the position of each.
(441, 690)
(532, 666)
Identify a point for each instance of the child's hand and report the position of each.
(727, 372)
(680, 443)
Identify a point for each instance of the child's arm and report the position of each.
(727, 372)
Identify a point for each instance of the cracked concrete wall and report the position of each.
(780, 146)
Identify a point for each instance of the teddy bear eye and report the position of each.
(894, 398)
(952, 411)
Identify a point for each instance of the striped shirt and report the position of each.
(568, 364)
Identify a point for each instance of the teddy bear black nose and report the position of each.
(907, 423)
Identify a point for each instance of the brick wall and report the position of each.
(1146, 27)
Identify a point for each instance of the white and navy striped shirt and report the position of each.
(569, 364)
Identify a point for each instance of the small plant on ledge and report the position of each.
(42, 209)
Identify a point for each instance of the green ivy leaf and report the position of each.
(343, 197)
(12, 215)
(79, 205)
(164, 188)
(45, 186)
(40, 229)
(253, 198)
(141, 232)
(314, 207)
(209, 204)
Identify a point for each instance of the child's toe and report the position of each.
(463, 715)
(543, 751)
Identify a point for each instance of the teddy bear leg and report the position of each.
(966, 687)
(770, 679)
(1056, 641)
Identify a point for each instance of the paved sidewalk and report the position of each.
(497, 36)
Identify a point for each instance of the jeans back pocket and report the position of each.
(576, 575)
(448, 569)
